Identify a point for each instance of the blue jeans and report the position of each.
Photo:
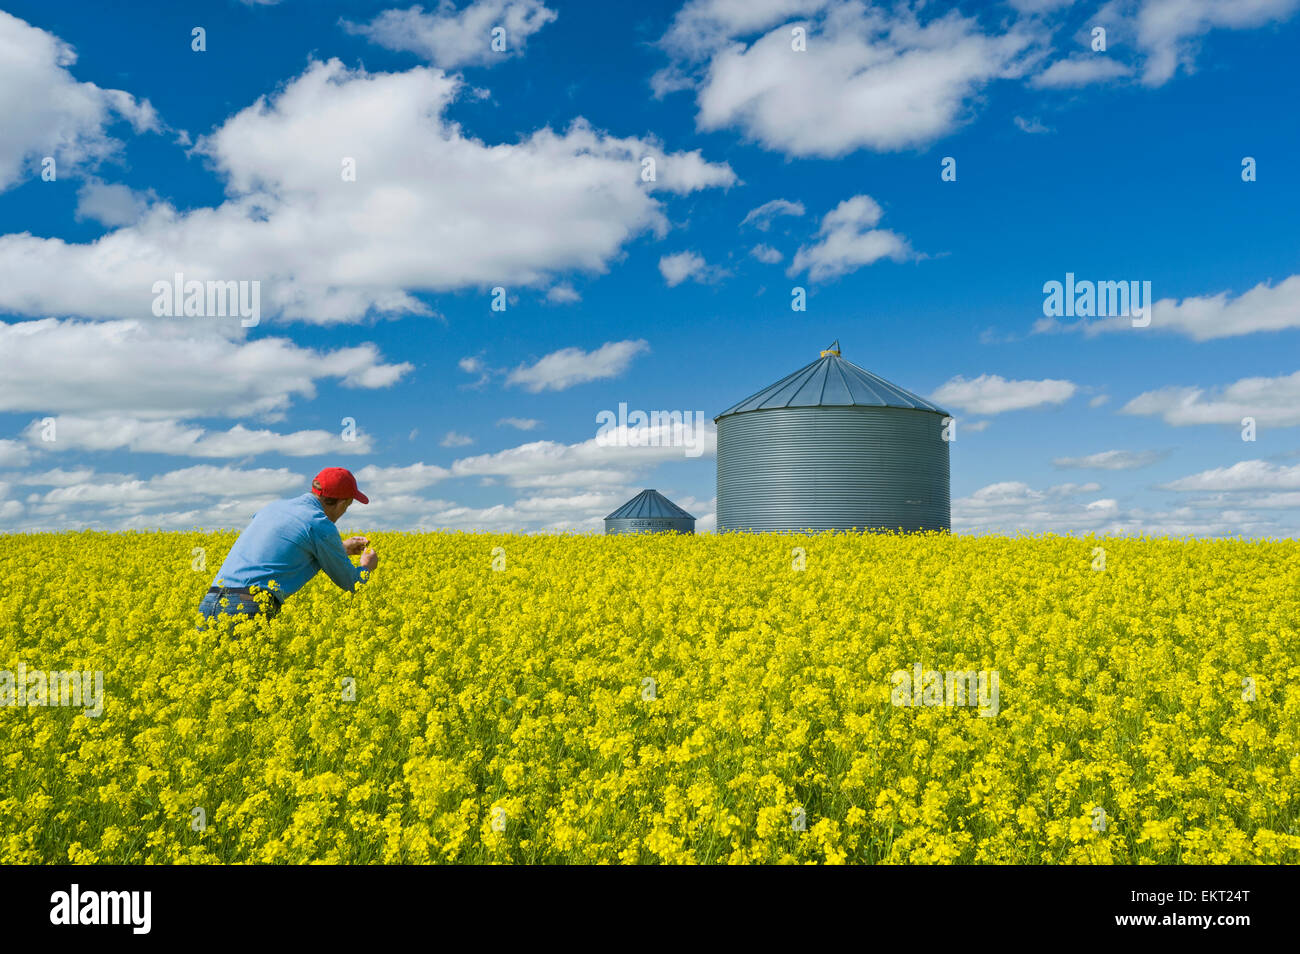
(239, 606)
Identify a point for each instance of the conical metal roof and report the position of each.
(831, 381)
(649, 504)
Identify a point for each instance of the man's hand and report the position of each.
(354, 545)
(369, 559)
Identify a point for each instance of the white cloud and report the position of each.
(453, 439)
(870, 78)
(883, 77)
(570, 366)
(386, 481)
(1014, 507)
(993, 394)
(1270, 401)
(681, 266)
(1032, 126)
(702, 26)
(13, 454)
(58, 477)
(212, 497)
(178, 485)
(98, 369)
(519, 423)
(563, 294)
(111, 205)
(1080, 70)
(452, 38)
(1249, 501)
(1207, 317)
(590, 478)
(706, 516)
(472, 364)
(1161, 37)
(75, 433)
(668, 80)
(578, 512)
(766, 254)
(847, 241)
(522, 465)
(1111, 460)
(1244, 475)
(48, 112)
(683, 172)
(1243, 489)
(568, 487)
(572, 487)
(761, 217)
(1167, 29)
(431, 210)
(1038, 6)
(1263, 308)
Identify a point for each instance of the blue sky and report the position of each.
(521, 169)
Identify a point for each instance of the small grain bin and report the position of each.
(649, 512)
(832, 447)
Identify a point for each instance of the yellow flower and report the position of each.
(682, 700)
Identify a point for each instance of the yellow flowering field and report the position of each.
(717, 698)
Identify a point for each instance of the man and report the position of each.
(290, 542)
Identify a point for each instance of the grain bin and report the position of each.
(832, 447)
(649, 512)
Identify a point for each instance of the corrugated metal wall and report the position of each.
(649, 525)
(833, 468)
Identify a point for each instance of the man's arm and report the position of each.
(333, 559)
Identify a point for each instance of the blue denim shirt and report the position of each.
(289, 542)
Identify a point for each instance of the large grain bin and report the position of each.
(832, 447)
(649, 512)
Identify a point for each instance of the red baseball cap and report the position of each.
(337, 482)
